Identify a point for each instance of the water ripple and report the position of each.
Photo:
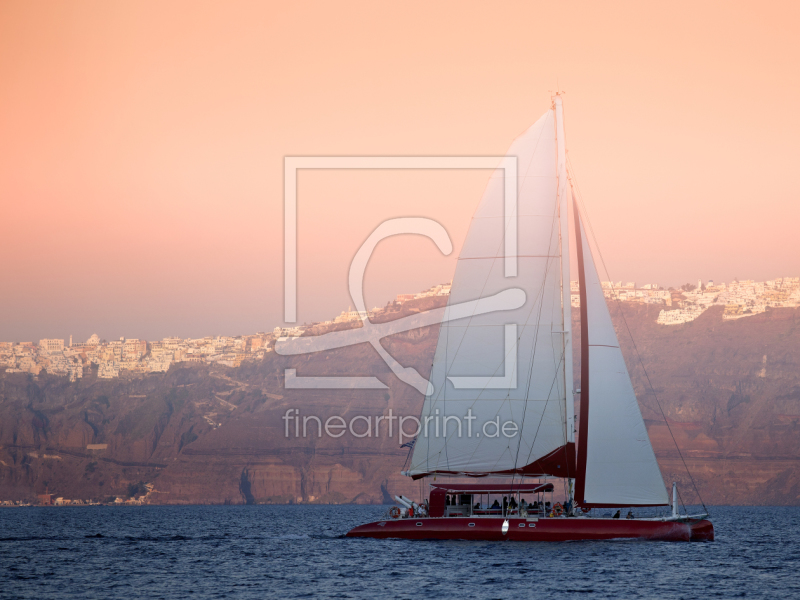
(300, 552)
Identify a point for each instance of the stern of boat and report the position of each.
(702, 531)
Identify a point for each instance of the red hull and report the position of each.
(543, 530)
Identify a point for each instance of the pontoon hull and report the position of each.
(542, 530)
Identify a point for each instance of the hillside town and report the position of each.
(740, 299)
(130, 356)
(138, 494)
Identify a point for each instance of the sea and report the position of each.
(300, 551)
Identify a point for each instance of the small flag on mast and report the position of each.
(409, 444)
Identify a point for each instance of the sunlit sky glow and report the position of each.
(141, 164)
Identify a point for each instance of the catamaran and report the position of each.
(510, 373)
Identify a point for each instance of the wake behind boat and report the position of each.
(511, 370)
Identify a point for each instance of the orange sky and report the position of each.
(143, 142)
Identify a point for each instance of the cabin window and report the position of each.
(419, 524)
(472, 524)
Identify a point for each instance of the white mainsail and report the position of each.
(618, 466)
(506, 367)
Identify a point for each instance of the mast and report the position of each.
(566, 305)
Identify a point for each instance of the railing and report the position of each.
(467, 511)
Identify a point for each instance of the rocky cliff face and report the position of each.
(729, 390)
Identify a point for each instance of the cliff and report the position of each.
(729, 390)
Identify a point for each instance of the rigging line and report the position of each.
(556, 223)
(554, 383)
(410, 452)
(530, 371)
(680, 498)
(528, 384)
(636, 349)
(507, 225)
(539, 296)
(494, 261)
(443, 389)
(541, 418)
(562, 416)
(650, 384)
(534, 345)
(444, 386)
(566, 311)
(530, 376)
(559, 193)
(539, 300)
(519, 337)
(500, 457)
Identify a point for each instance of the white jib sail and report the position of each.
(505, 368)
(621, 467)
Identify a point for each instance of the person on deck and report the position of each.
(629, 515)
(616, 515)
(512, 504)
(505, 505)
(496, 504)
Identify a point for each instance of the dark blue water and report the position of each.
(298, 552)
